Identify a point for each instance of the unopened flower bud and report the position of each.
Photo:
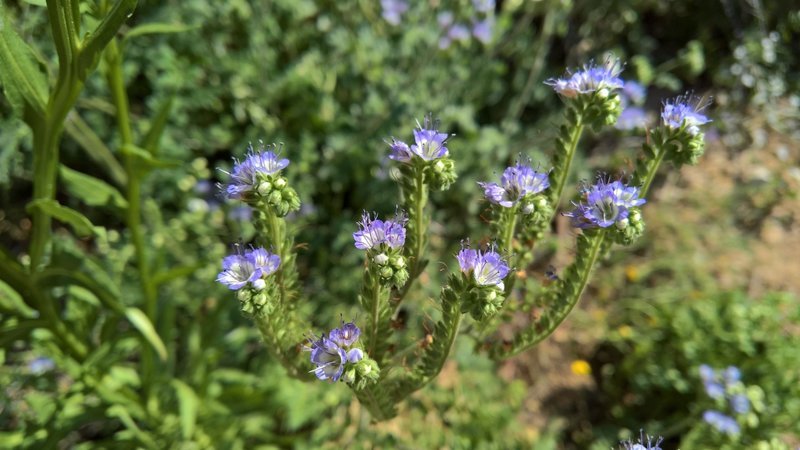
(280, 183)
(259, 284)
(243, 295)
(264, 188)
(527, 208)
(602, 93)
(438, 167)
(622, 224)
(274, 198)
(398, 262)
(380, 259)
(349, 376)
(386, 272)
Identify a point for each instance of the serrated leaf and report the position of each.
(24, 84)
(90, 190)
(157, 28)
(82, 226)
(143, 324)
(188, 403)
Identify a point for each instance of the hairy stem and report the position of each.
(562, 162)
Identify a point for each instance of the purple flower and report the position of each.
(393, 10)
(632, 118)
(685, 111)
(517, 182)
(483, 6)
(606, 204)
(445, 19)
(375, 232)
(590, 79)
(329, 358)
(721, 422)
(41, 365)
(458, 32)
(644, 443)
(400, 151)
(731, 374)
(239, 269)
(707, 373)
(482, 30)
(740, 403)
(245, 175)
(346, 335)
(330, 353)
(714, 389)
(487, 268)
(633, 92)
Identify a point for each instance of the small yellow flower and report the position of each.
(580, 367)
(625, 331)
(631, 273)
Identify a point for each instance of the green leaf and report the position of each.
(147, 161)
(157, 28)
(24, 84)
(79, 130)
(92, 191)
(188, 404)
(157, 127)
(80, 224)
(143, 324)
(94, 44)
(11, 300)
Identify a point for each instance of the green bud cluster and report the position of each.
(598, 109)
(274, 192)
(480, 302)
(258, 302)
(441, 173)
(362, 374)
(536, 212)
(627, 231)
(390, 265)
(682, 147)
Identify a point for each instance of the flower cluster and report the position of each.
(681, 118)
(482, 25)
(517, 183)
(337, 357)
(250, 267)
(606, 204)
(257, 182)
(392, 10)
(248, 274)
(644, 443)
(593, 91)
(429, 153)
(384, 241)
(484, 273)
(725, 387)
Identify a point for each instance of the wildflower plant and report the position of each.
(482, 284)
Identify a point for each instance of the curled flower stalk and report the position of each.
(385, 268)
(483, 274)
(678, 139)
(592, 99)
(519, 195)
(424, 165)
(339, 357)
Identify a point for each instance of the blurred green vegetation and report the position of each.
(331, 80)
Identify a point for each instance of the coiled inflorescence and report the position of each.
(338, 356)
(484, 272)
(610, 203)
(257, 181)
(383, 240)
(428, 153)
(248, 273)
(593, 91)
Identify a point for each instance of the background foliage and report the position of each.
(332, 80)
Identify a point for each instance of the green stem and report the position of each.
(562, 168)
(419, 199)
(374, 312)
(508, 234)
(652, 170)
(561, 305)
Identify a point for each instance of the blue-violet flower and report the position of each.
(516, 182)
(487, 268)
(721, 422)
(330, 353)
(245, 176)
(606, 204)
(375, 232)
(239, 269)
(685, 110)
(590, 79)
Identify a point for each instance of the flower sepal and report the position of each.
(482, 302)
(274, 193)
(628, 230)
(255, 302)
(441, 173)
(536, 212)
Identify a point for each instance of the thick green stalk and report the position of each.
(562, 161)
(561, 301)
(507, 244)
(419, 198)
